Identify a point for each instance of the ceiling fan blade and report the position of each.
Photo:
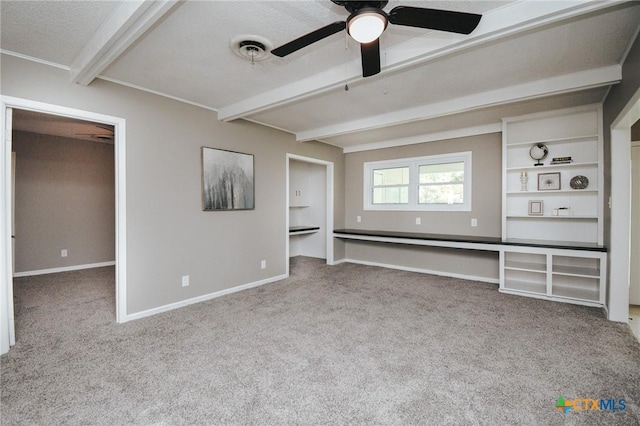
(434, 19)
(370, 58)
(104, 126)
(310, 38)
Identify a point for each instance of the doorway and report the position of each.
(634, 278)
(9, 105)
(620, 204)
(309, 210)
(634, 285)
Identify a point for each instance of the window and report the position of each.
(391, 186)
(437, 182)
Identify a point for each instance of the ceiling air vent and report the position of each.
(251, 47)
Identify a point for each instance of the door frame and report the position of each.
(329, 205)
(6, 256)
(635, 170)
(620, 236)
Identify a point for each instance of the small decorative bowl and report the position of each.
(579, 182)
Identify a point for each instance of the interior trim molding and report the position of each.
(63, 269)
(32, 59)
(557, 85)
(121, 30)
(203, 298)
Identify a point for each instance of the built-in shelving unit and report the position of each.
(307, 209)
(303, 230)
(576, 276)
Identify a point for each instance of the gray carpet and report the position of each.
(348, 344)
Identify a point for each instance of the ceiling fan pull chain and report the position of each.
(346, 62)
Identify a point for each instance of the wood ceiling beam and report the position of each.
(128, 22)
(512, 19)
(536, 89)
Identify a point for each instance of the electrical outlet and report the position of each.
(263, 264)
(418, 221)
(63, 253)
(358, 219)
(474, 222)
(185, 280)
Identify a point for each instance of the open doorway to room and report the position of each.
(64, 221)
(63, 209)
(309, 208)
(64, 204)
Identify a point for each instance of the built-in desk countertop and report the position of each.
(458, 241)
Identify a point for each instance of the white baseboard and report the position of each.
(62, 269)
(421, 270)
(176, 305)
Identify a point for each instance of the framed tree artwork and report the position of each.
(227, 180)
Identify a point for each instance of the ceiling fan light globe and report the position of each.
(365, 26)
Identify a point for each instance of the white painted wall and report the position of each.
(634, 287)
(65, 199)
(168, 233)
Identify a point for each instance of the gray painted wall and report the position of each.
(486, 191)
(486, 207)
(167, 233)
(65, 199)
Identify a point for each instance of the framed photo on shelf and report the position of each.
(549, 181)
(536, 208)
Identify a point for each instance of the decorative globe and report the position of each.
(538, 152)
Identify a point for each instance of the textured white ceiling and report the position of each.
(53, 31)
(55, 125)
(570, 47)
(186, 54)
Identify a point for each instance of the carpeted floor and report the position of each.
(347, 344)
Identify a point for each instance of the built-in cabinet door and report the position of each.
(298, 185)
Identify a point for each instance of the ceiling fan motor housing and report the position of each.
(354, 6)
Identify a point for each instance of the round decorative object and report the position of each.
(579, 182)
(538, 152)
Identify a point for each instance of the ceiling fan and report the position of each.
(106, 136)
(367, 21)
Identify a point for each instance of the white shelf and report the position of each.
(553, 166)
(526, 286)
(553, 141)
(576, 271)
(588, 294)
(561, 191)
(525, 266)
(581, 217)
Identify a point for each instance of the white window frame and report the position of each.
(414, 164)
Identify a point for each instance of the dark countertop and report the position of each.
(303, 228)
(474, 239)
